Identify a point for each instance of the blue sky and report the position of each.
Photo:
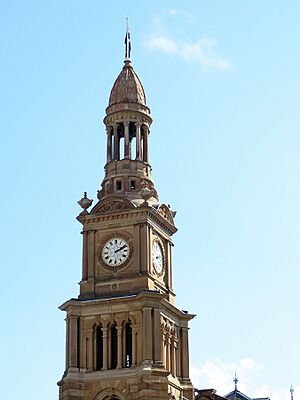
(222, 80)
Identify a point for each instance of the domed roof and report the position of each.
(127, 87)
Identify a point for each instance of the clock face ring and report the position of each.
(157, 257)
(115, 251)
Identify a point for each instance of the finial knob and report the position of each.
(85, 203)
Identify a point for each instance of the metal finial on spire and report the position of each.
(292, 392)
(127, 42)
(235, 380)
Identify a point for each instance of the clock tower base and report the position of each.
(142, 352)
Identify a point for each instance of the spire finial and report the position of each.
(235, 380)
(127, 42)
(292, 392)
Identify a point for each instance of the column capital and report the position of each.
(104, 330)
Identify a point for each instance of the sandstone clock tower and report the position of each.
(125, 338)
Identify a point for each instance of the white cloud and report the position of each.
(162, 43)
(202, 51)
(169, 35)
(218, 375)
(174, 13)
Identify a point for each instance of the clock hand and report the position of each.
(120, 248)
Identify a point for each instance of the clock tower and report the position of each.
(125, 338)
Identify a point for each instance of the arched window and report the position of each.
(128, 345)
(99, 347)
(114, 346)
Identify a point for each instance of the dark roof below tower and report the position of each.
(237, 395)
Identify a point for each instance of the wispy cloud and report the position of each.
(169, 35)
(174, 12)
(202, 51)
(218, 375)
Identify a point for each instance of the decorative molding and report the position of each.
(112, 205)
(166, 213)
(91, 221)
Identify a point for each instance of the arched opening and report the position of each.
(128, 345)
(114, 346)
(132, 141)
(122, 148)
(120, 151)
(99, 348)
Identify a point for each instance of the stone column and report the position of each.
(173, 356)
(90, 353)
(168, 345)
(145, 143)
(138, 141)
(169, 265)
(175, 344)
(84, 352)
(178, 359)
(116, 143)
(134, 347)
(91, 253)
(139, 344)
(105, 348)
(147, 334)
(126, 140)
(73, 362)
(157, 337)
(84, 258)
(120, 349)
(164, 348)
(109, 347)
(109, 137)
(144, 247)
(67, 342)
(184, 353)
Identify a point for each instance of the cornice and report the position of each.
(145, 298)
(141, 214)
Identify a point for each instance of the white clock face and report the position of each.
(115, 252)
(157, 257)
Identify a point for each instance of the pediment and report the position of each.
(110, 205)
(166, 213)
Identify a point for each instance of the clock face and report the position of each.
(115, 252)
(157, 257)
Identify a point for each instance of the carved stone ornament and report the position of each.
(85, 203)
(167, 213)
(112, 205)
(110, 394)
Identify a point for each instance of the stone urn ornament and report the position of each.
(85, 203)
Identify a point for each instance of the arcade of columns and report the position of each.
(128, 131)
